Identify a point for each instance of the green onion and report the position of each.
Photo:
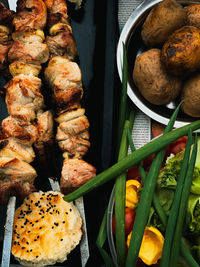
(145, 202)
(159, 209)
(123, 114)
(183, 207)
(188, 256)
(172, 219)
(156, 203)
(132, 146)
(120, 193)
(132, 159)
(123, 99)
(102, 235)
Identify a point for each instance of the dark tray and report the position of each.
(96, 32)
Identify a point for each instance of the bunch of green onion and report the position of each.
(117, 171)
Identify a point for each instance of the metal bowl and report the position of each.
(131, 37)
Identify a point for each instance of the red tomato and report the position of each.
(147, 162)
(177, 146)
(129, 220)
(133, 173)
(157, 128)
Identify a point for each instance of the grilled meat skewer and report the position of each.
(63, 76)
(28, 124)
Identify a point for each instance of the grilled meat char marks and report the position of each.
(28, 124)
(63, 76)
(6, 17)
(31, 13)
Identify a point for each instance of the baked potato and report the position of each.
(181, 52)
(153, 82)
(193, 15)
(163, 19)
(190, 95)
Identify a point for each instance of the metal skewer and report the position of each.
(8, 232)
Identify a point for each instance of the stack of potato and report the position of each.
(170, 68)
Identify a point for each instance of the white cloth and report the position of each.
(125, 8)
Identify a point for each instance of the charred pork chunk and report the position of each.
(25, 131)
(6, 17)
(75, 172)
(12, 147)
(23, 97)
(31, 13)
(63, 76)
(28, 125)
(19, 189)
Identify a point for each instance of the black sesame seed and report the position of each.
(37, 256)
(40, 227)
(61, 239)
(35, 239)
(23, 247)
(15, 242)
(56, 224)
(63, 222)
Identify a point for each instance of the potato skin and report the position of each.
(153, 82)
(181, 52)
(193, 15)
(190, 95)
(163, 19)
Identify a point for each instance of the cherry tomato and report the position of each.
(157, 128)
(147, 162)
(177, 146)
(133, 173)
(129, 220)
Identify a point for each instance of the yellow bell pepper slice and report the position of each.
(151, 246)
(132, 186)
